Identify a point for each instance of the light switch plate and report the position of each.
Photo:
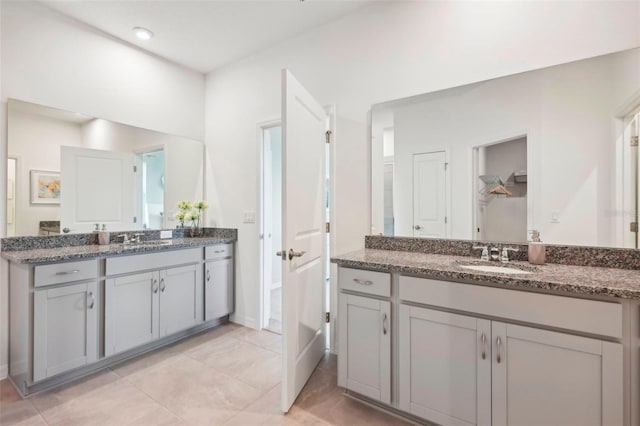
(166, 234)
(249, 217)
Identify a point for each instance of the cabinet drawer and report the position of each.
(145, 262)
(369, 282)
(65, 272)
(219, 251)
(587, 316)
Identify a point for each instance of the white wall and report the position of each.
(380, 52)
(39, 149)
(568, 114)
(50, 60)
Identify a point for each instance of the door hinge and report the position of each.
(135, 169)
(445, 166)
(327, 317)
(327, 227)
(135, 219)
(634, 141)
(445, 219)
(633, 227)
(327, 135)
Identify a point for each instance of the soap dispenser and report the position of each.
(536, 249)
(103, 236)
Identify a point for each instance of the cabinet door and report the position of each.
(65, 329)
(364, 364)
(131, 311)
(218, 289)
(445, 366)
(548, 378)
(180, 298)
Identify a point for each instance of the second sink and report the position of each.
(493, 268)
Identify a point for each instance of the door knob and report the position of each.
(293, 254)
(282, 254)
(417, 227)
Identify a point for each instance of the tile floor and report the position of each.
(226, 376)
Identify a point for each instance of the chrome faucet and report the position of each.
(504, 258)
(485, 252)
(125, 239)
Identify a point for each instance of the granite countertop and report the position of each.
(568, 279)
(93, 251)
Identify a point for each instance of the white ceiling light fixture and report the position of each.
(142, 33)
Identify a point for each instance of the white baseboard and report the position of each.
(245, 321)
(4, 371)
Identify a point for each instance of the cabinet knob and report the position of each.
(162, 286)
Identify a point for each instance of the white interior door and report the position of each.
(96, 187)
(429, 195)
(303, 236)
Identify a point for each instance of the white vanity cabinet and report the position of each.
(218, 284)
(143, 306)
(65, 320)
(364, 365)
(464, 370)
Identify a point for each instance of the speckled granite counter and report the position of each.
(93, 251)
(567, 279)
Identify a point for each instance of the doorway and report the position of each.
(152, 189)
(500, 175)
(271, 234)
(430, 215)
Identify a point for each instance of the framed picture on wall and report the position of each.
(45, 187)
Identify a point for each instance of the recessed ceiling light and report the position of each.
(142, 33)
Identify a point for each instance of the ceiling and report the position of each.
(207, 34)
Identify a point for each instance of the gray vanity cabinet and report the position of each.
(144, 306)
(364, 365)
(218, 276)
(65, 328)
(131, 311)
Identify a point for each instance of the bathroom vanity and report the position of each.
(77, 309)
(423, 335)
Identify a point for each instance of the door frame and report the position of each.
(263, 256)
(138, 160)
(447, 185)
(532, 186)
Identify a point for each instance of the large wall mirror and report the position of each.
(68, 171)
(553, 149)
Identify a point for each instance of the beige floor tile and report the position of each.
(95, 382)
(263, 338)
(186, 384)
(118, 403)
(254, 365)
(142, 363)
(18, 412)
(227, 329)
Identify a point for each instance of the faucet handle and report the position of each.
(485, 252)
(504, 258)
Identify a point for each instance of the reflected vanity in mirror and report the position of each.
(553, 149)
(68, 171)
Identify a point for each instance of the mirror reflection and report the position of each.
(551, 150)
(68, 172)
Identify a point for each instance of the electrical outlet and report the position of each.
(166, 234)
(555, 216)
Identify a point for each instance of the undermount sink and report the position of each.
(500, 269)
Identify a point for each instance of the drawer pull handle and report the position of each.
(384, 324)
(155, 286)
(75, 271)
(219, 251)
(162, 286)
(363, 282)
(208, 275)
(484, 346)
(93, 300)
(499, 345)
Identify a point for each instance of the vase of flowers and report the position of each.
(191, 212)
